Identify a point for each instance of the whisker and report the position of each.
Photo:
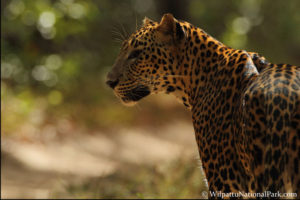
(117, 40)
(117, 33)
(120, 32)
(136, 26)
(138, 107)
(117, 37)
(126, 34)
(115, 101)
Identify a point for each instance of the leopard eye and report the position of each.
(134, 54)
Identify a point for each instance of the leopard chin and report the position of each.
(131, 97)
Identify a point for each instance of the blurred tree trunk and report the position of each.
(178, 8)
(3, 5)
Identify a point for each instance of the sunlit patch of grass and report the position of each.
(178, 179)
(15, 109)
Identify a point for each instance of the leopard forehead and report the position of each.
(142, 36)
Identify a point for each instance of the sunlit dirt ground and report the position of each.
(40, 168)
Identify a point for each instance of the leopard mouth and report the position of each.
(136, 93)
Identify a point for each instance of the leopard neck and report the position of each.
(217, 76)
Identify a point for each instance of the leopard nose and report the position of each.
(112, 83)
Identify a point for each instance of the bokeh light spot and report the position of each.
(55, 97)
(241, 25)
(67, 2)
(53, 62)
(52, 81)
(47, 19)
(40, 73)
(76, 11)
(16, 7)
(7, 70)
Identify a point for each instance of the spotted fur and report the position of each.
(245, 110)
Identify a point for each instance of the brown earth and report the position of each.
(36, 169)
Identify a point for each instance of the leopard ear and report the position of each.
(147, 21)
(167, 23)
(170, 25)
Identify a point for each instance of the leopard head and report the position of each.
(148, 60)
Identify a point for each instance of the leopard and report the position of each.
(245, 110)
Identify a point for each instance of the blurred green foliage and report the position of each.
(55, 53)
